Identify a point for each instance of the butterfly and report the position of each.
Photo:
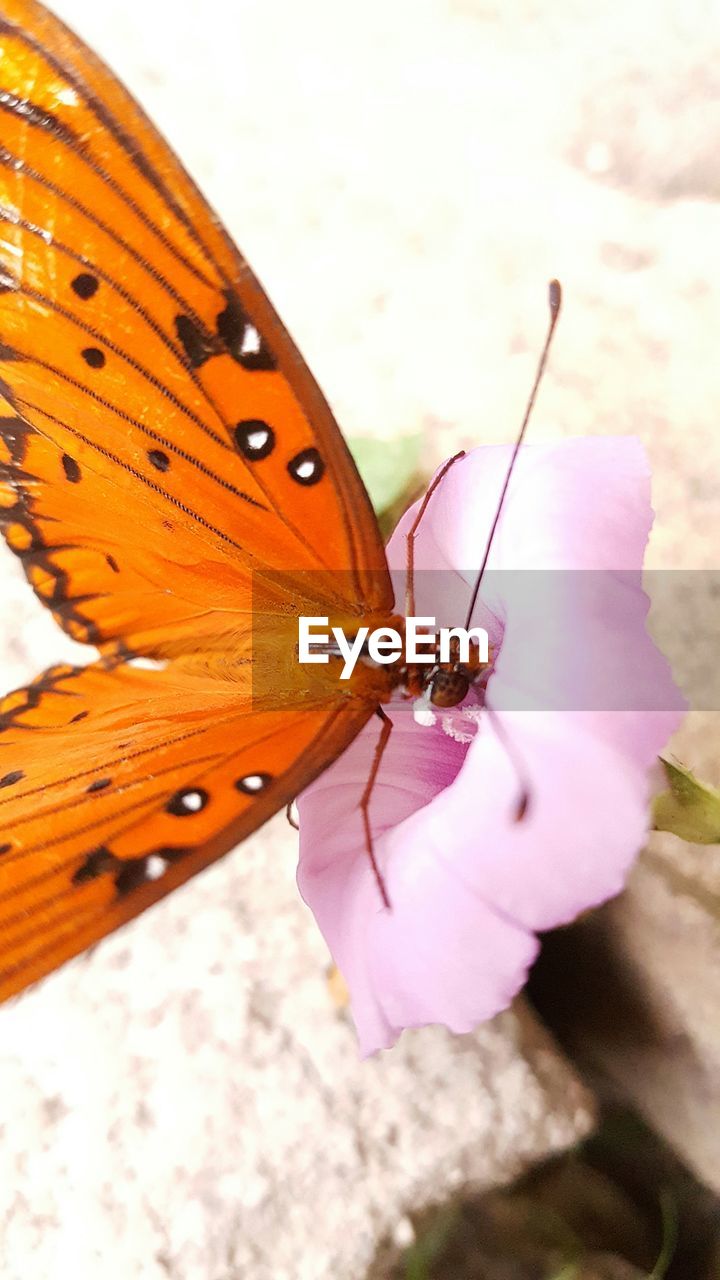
(178, 492)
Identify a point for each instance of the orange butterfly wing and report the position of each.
(176, 438)
(103, 812)
(168, 467)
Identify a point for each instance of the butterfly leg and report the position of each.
(289, 814)
(410, 538)
(380, 745)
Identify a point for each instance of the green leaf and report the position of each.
(670, 1226)
(420, 1258)
(391, 470)
(689, 809)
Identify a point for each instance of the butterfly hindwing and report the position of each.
(102, 813)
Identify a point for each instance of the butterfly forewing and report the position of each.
(163, 450)
(139, 348)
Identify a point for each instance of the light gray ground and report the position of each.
(404, 177)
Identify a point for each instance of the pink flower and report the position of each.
(585, 702)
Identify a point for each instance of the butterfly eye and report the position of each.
(252, 783)
(255, 439)
(184, 803)
(307, 467)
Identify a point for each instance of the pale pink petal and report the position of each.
(441, 954)
(467, 883)
(577, 504)
(586, 818)
(583, 703)
(562, 598)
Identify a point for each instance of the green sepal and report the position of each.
(689, 809)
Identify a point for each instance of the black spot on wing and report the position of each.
(127, 873)
(241, 338)
(159, 460)
(71, 468)
(132, 873)
(307, 467)
(85, 285)
(188, 801)
(253, 783)
(93, 357)
(197, 344)
(10, 779)
(255, 439)
(96, 864)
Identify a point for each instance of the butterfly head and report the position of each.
(447, 681)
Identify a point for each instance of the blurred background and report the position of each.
(404, 178)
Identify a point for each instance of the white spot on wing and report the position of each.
(250, 341)
(192, 801)
(67, 96)
(253, 782)
(258, 439)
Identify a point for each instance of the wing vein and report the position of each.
(18, 164)
(150, 484)
(35, 118)
(129, 144)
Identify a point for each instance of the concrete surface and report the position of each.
(188, 1102)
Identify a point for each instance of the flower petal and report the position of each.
(585, 820)
(577, 504)
(582, 703)
(562, 597)
(467, 883)
(441, 953)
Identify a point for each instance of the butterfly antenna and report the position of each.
(410, 538)
(555, 300)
